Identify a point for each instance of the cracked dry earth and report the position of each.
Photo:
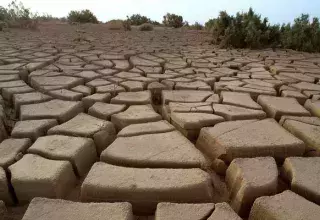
(100, 124)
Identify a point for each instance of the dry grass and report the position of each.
(115, 25)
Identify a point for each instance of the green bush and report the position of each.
(245, 30)
(146, 27)
(249, 30)
(84, 16)
(138, 19)
(209, 24)
(303, 35)
(173, 20)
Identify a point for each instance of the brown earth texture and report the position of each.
(159, 125)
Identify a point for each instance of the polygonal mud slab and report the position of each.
(302, 173)
(137, 61)
(104, 63)
(33, 128)
(254, 92)
(29, 98)
(251, 178)
(97, 82)
(54, 109)
(163, 150)
(184, 96)
(176, 211)
(146, 128)
(87, 75)
(113, 89)
(4, 188)
(85, 90)
(6, 78)
(132, 98)
(189, 124)
(11, 84)
(105, 110)
(133, 86)
(56, 209)
(239, 99)
(97, 97)
(249, 138)
(275, 107)
(232, 113)
(305, 128)
(121, 65)
(305, 86)
(102, 132)
(42, 82)
(284, 206)
(12, 149)
(144, 188)
(34, 176)
(135, 114)
(196, 85)
(80, 152)
(313, 107)
(223, 211)
(127, 75)
(195, 120)
(301, 98)
(7, 93)
(198, 107)
(66, 94)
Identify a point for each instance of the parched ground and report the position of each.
(155, 125)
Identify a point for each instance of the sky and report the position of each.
(278, 11)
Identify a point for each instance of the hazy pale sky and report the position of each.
(278, 11)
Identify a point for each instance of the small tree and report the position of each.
(84, 16)
(173, 20)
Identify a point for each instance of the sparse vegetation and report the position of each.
(173, 20)
(126, 25)
(146, 27)
(84, 16)
(16, 15)
(138, 20)
(196, 26)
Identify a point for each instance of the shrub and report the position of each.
(303, 35)
(84, 16)
(249, 30)
(245, 30)
(173, 20)
(146, 27)
(155, 23)
(138, 19)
